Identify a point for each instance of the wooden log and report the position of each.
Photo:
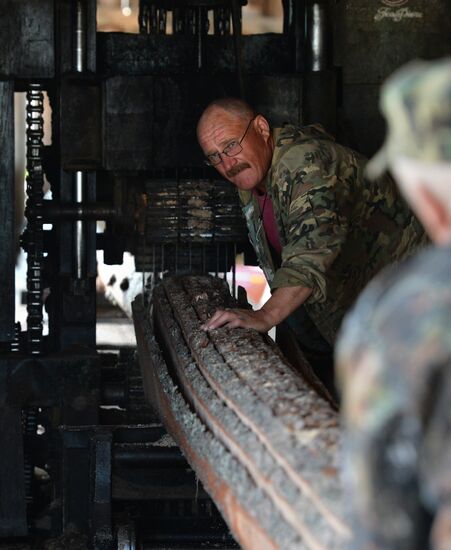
(262, 412)
(226, 480)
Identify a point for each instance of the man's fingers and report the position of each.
(219, 318)
(236, 323)
(215, 317)
(229, 317)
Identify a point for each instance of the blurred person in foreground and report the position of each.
(394, 350)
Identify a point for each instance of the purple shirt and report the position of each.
(269, 221)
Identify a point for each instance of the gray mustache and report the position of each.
(237, 169)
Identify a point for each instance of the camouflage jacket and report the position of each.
(394, 363)
(337, 229)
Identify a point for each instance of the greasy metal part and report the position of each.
(29, 427)
(203, 211)
(29, 384)
(178, 21)
(13, 512)
(139, 464)
(80, 37)
(126, 537)
(190, 226)
(101, 475)
(129, 54)
(34, 232)
(15, 343)
(145, 455)
(143, 17)
(162, 18)
(319, 86)
(80, 258)
(298, 13)
(236, 21)
(184, 258)
(222, 21)
(284, 435)
(80, 63)
(200, 33)
(189, 18)
(52, 211)
(318, 35)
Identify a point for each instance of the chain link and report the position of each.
(35, 181)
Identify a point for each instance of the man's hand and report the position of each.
(283, 302)
(244, 318)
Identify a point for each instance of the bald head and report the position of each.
(237, 141)
(233, 107)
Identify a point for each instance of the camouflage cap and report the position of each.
(416, 101)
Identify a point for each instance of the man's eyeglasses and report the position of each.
(232, 149)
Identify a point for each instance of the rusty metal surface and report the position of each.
(261, 412)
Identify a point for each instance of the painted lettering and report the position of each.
(397, 15)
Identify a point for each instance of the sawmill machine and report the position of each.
(86, 461)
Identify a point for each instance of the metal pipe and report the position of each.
(80, 63)
(237, 42)
(318, 36)
(69, 212)
(114, 394)
(79, 229)
(151, 540)
(199, 38)
(80, 38)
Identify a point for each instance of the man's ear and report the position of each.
(262, 126)
(434, 215)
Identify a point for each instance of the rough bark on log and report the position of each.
(249, 400)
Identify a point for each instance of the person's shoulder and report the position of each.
(305, 149)
(291, 135)
(404, 304)
(428, 271)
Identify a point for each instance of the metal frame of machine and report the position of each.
(124, 109)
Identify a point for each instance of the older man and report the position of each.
(320, 230)
(394, 353)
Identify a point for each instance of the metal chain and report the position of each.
(35, 182)
(15, 344)
(29, 427)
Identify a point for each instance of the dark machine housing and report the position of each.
(84, 460)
